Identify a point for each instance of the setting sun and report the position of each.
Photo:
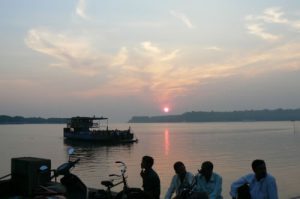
(166, 109)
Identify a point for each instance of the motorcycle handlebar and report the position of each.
(65, 168)
(76, 161)
(73, 163)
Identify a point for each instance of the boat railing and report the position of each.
(95, 125)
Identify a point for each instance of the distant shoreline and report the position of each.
(5, 119)
(188, 117)
(232, 116)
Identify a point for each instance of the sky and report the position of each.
(123, 58)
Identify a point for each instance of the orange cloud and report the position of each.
(150, 69)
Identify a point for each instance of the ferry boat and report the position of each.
(95, 129)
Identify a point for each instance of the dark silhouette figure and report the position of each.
(151, 181)
(244, 192)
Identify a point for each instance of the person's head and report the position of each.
(179, 168)
(259, 168)
(147, 162)
(207, 169)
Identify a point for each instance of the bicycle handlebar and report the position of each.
(114, 175)
(123, 165)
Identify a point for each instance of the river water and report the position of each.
(230, 146)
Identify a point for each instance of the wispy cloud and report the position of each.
(81, 9)
(182, 17)
(148, 47)
(258, 30)
(146, 67)
(151, 69)
(270, 15)
(279, 58)
(257, 24)
(71, 52)
(154, 70)
(213, 48)
(151, 50)
(274, 15)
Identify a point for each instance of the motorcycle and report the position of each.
(70, 186)
(76, 189)
(28, 181)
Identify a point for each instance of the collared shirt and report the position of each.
(265, 188)
(151, 183)
(178, 186)
(213, 187)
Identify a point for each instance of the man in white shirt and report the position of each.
(261, 184)
(182, 180)
(208, 181)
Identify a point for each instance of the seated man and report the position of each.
(151, 181)
(182, 180)
(261, 184)
(209, 182)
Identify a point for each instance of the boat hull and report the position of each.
(100, 136)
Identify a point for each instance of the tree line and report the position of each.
(5, 119)
(232, 116)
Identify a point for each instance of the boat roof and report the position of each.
(89, 118)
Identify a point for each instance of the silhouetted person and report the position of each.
(151, 181)
(261, 184)
(209, 182)
(181, 181)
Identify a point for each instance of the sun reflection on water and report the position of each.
(167, 141)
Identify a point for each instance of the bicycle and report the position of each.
(127, 192)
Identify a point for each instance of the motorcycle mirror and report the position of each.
(71, 150)
(43, 168)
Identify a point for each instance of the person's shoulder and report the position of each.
(216, 174)
(248, 178)
(198, 175)
(175, 177)
(154, 173)
(190, 176)
(152, 170)
(249, 175)
(270, 177)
